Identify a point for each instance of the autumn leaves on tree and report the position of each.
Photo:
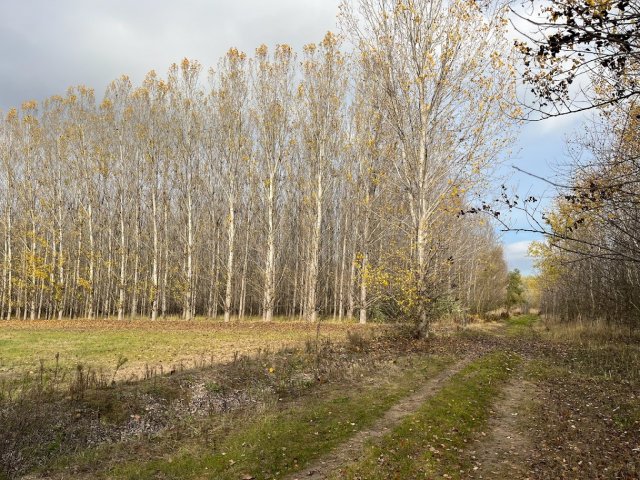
(312, 186)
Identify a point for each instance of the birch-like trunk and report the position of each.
(352, 280)
(53, 296)
(75, 307)
(156, 253)
(189, 280)
(216, 275)
(342, 268)
(231, 233)
(4, 277)
(92, 255)
(21, 310)
(136, 266)
(42, 284)
(34, 266)
(61, 281)
(243, 281)
(364, 265)
(213, 280)
(9, 262)
(421, 231)
(312, 312)
(165, 279)
(107, 297)
(269, 270)
(294, 304)
(123, 249)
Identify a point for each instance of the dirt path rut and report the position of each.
(503, 451)
(351, 450)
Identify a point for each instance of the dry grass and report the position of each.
(28, 347)
(588, 333)
(198, 407)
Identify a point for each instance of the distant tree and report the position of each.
(321, 96)
(273, 81)
(515, 289)
(234, 148)
(531, 294)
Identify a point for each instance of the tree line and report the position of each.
(586, 56)
(328, 183)
(593, 250)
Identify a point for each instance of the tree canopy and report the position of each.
(580, 54)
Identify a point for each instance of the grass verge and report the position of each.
(280, 439)
(428, 443)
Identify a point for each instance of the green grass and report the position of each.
(100, 343)
(522, 324)
(282, 441)
(428, 443)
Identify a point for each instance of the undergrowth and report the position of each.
(278, 443)
(39, 424)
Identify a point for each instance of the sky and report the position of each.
(47, 46)
(541, 149)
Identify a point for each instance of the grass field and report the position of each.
(518, 398)
(170, 344)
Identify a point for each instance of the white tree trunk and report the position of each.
(231, 232)
(123, 249)
(165, 279)
(213, 280)
(136, 266)
(91, 265)
(61, 281)
(107, 296)
(364, 264)
(156, 253)
(312, 312)
(269, 270)
(342, 268)
(422, 229)
(9, 262)
(352, 278)
(33, 268)
(189, 280)
(243, 281)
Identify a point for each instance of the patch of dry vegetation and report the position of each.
(41, 425)
(585, 419)
(51, 350)
(585, 425)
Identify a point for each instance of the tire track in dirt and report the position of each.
(351, 450)
(503, 451)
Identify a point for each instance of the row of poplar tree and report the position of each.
(325, 183)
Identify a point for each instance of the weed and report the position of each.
(278, 443)
(121, 361)
(357, 342)
(214, 387)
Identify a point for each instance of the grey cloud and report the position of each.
(47, 46)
